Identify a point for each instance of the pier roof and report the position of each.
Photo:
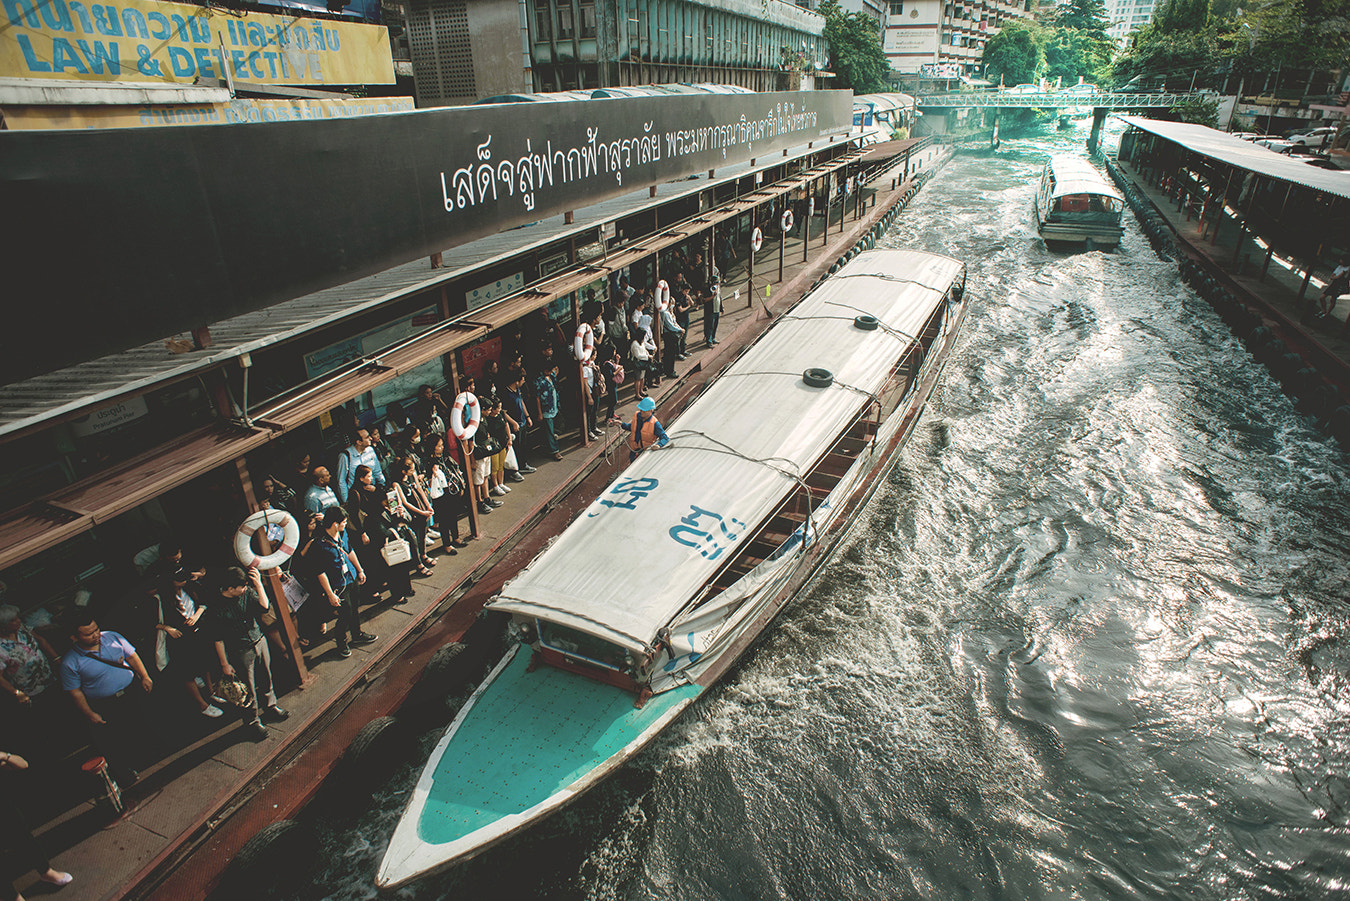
(1244, 155)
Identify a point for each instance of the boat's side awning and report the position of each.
(656, 536)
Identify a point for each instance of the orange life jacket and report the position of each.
(643, 435)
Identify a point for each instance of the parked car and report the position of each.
(1025, 89)
(1246, 135)
(1141, 84)
(1081, 89)
(1315, 138)
(1279, 145)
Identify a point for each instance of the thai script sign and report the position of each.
(211, 223)
(145, 41)
(232, 113)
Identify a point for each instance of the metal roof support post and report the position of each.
(1223, 202)
(655, 313)
(782, 249)
(583, 394)
(290, 639)
(807, 190)
(461, 452)
(750, 266)
(1307, 277)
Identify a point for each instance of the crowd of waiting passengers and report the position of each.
(195, 623)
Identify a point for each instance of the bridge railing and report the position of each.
(1050, 100)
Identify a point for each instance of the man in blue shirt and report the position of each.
(338, 570)
(513, 404)
(320, 497)
(360, 452)
(106, 679)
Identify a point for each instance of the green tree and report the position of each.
(1083, 15)
(1201, 112)
(1015, 55)
(855, 49)
(1071, 54)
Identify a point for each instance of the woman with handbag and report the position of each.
(417, 505)
(611, 375)
(643, 352)
(372, 525)
(449, 495)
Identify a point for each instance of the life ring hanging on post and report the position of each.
(457, 426)
(583, 346)
(662, 295)
(243, 539)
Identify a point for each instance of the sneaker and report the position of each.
(218, 701)
(258, 730)
(597, 434)
(527, 469)
(344, 651)
(364, 638)
(277, 712)
(514, 477)
(433, 535)
(484, 507)
(212, 711)
(493, 503)
(498, 490)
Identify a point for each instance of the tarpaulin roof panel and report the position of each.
(651, 542)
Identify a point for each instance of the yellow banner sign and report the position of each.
(144, 41)
(234, 112)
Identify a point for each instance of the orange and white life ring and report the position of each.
(583, 346)
(662, 295)
(243, 539)
(457, 425)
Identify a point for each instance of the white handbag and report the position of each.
(438, 483)
(395, 551)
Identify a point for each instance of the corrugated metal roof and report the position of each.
(1244, 155)
(76, 389)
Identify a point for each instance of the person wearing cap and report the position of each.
(645, 430)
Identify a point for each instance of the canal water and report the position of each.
(1089, 641)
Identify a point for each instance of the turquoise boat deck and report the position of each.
(529, 736)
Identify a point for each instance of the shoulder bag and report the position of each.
(395, 551)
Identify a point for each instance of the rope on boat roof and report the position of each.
(870, 395)
(885, 327)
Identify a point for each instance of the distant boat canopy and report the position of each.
(1075, 204)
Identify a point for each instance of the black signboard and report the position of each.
(120, 237)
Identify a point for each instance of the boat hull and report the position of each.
(527, 743)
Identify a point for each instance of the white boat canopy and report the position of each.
(1074, 175)
(646, 548)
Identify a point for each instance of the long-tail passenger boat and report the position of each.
(652, 593)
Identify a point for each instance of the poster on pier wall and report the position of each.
(144, 41)
(128, 236)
